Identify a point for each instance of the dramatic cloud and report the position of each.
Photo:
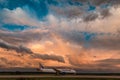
(82, 33)
(22, 37)
(99, 2)
(49, 57)
(69, 11)
(90, 17)
(21, 49)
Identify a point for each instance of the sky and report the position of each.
(76, 33)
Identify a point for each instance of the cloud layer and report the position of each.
(77, 33)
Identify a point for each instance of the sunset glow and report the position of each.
(75, 33)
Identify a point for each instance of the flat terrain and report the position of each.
(59, 79)
(60, 76)
(66, 77)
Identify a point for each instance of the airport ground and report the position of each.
(58, 79)
(46, 76)
(63, 77)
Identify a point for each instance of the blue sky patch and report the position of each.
(91, 8)
(12, 27)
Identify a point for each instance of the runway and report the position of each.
(61, 76)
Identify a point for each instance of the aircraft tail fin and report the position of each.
(41, 66)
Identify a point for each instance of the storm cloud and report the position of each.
(49, 57)
(21, 49)
(16, 48)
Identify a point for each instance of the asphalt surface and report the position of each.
(47, 76)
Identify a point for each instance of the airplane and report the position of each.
(66, 71)
(46, 70)
(57, 71)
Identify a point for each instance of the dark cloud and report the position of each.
(105, 13)
(23, 36)
(21, 49)
(83, 9)
(106, 43)
(99, 2)
(68, 11)
(79, 1)
(90, 40)
(90, 17)
(115, 2)
(104, 7)
(49, 57)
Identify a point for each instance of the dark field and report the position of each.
(58, 79)
(41, 76)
